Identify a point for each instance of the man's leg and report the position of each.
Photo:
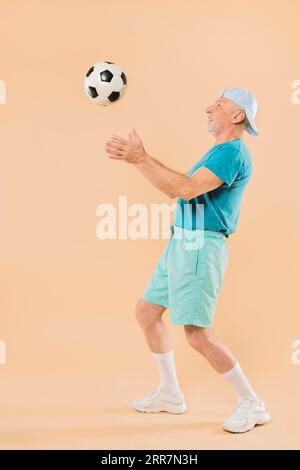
(220, 358)
(149, 317)
(168, 396)
(250, 410)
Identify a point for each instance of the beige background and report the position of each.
(75, 354)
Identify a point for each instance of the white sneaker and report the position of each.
(247, 414)
(159, 400)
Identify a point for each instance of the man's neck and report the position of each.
(228, 135)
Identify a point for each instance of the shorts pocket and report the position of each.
(193, 249)
(192, 260)
(182, 261)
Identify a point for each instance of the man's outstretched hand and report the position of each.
(130, 151)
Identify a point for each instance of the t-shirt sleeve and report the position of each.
(226, 164)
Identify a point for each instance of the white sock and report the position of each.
(167, 371)
(239, 381)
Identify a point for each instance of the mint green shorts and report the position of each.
(188, 276)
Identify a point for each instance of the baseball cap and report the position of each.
(247, 102)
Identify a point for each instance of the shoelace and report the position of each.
(155, 392)
(242, 409)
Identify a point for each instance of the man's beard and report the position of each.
(212, 130)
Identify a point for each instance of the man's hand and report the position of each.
(130, 151)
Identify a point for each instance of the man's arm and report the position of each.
(176, 184)
(171, 195)
(171, 182)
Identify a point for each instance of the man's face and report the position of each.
(222, 115)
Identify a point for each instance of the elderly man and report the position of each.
(188, 276)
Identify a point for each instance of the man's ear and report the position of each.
(238, 116)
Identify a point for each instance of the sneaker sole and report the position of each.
(168, 408)
(262, 419)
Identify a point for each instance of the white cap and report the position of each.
(247, 102)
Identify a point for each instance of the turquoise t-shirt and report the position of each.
(218, 210)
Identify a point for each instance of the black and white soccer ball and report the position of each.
(105, 83)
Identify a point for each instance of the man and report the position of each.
(187, 280)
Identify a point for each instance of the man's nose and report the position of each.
(209, 109)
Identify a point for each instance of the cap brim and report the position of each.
(251, 126)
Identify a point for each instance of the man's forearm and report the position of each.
(169, 181)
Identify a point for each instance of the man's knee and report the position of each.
(146, 312)
(198, 337)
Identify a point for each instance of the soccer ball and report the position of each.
(105, 83)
